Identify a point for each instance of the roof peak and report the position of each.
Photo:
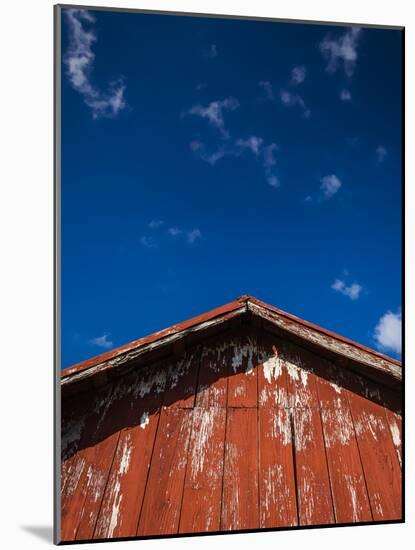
(289, 324)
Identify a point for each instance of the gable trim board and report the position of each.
(352, 355)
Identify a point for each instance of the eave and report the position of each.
(173, 339)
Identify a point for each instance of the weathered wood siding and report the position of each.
(246, 431)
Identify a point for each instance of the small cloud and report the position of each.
(211, 158)
(79, 62)
(193, 235)
(148, 242)
(353, 291)
(212, 51)
(381, 154)
(268, 90)
(388, 332)
(200, 86)
(341, 51)
(308, 198)
(345, 95)
(102, 342)
(294, 100)
(270, 161)
(213, 113)
(298, 74)
(174, 231)
(330, 185)
(155, 224)
(253, 144)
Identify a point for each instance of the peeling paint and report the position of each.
(303, 429)
(272, 368)
(282, 426)
(369, 423)
(144, 420)
(337, 423)
(240, 352)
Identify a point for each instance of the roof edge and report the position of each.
(286, 321)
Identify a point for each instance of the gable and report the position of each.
(245, 310)
(245, 429)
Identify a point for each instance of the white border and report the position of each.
(26, 299)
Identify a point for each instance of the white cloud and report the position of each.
(270, 162)
(353, 291)
(298, 74)
(212, 51)
(148, 242)
(388, 332)
(381, 154)
(330, 185)
(211, 158)
(193, 235)
(79, 61)
(341, 51)
(345, 95)
(174, 231)
(267, 87)
(102, 342)
(294, 100)
(253, 143)
(213, 113)
(155, 224)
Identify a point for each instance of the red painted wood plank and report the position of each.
(240, 483)
(136, 400)
(395, 426)
(242, 383)
(299, 365)
(92, 465)
(139, 415)
(315, 505)
(75, 413)
(380, 462)
(203, 483)
(278, 501)
(124, 493)
(272, 376)
(182, 380)
(350, 499)
(160, 513)
(213, 374)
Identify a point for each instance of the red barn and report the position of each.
(243, 418)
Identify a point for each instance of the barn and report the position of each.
(243, 418)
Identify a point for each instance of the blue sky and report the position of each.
(203, 159)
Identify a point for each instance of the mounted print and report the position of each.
(229, 274)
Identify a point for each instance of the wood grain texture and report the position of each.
(92, 465)
(124, 492)
(160, 512)
(395, 426)
(202, 494)
(182, 378)
(245, 430)
(315, 505)
(272, 376)
(277, 490)
(240, 483)
(212, 388)
(242, 381)
(350, 499)
(380, 462)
